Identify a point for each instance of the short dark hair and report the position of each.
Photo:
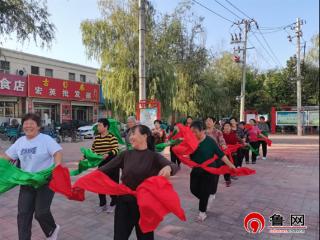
(197, 125)
(144, 130)
(242, 122)
(189, 117)
(157, 121)
(32, 116)
(212, 118)
(233, 119)
(262, 117)
(105, 122)
(226, 123)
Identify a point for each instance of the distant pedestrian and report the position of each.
(264, 128)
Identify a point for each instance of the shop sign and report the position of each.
(13, 85)
(66, 111)
(289, 118)
(52, 88)
(313, 118)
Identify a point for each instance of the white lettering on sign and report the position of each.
(5, 84)
(52, 92)
(65, 93)
(77, 94)
(18, 86)
(88, 95)
(38, 90)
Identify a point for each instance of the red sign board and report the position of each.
(47, 87)
(13, 85)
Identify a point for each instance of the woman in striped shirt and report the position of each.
(107, 145)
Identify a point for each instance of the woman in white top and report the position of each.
(36, 152)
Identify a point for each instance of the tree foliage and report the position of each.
(179, 71)
(28, 19)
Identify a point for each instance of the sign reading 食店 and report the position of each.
(52, 88)
(13, 85)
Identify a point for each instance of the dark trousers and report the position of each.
(238, 158)
(264, 148)
(255, 145)
(237, 161)
(201, 183)
(35, 201)
(244, 153)
(215, 181)
(126, 218)
(174, 158)
(114, 175)
(227, 177)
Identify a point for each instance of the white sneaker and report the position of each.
(111, 209)
(202, 216)
(54, 235)
(264, 158)
(101, 209)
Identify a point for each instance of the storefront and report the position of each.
(59, 100)
(13, 92)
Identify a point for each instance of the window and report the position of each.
(48, 72)
(82, 78)
(7, 109)
(72, 76)
(4, 66)
(34, 70)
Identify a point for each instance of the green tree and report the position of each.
(312, 56)
(113, 41)
(27, 19)
(174, 57)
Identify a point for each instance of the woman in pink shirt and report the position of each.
(253, 134)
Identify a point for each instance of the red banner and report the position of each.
(47, 87)
(13, 85)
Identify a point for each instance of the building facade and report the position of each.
(59, 91)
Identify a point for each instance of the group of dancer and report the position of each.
(36, 151)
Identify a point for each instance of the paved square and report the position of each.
(286, 183)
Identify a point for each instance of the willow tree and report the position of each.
(113, 41)
(27, 19)
(174, 58)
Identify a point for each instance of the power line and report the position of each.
(265, 40)
(217, 14)
(249, 41)
(238, 9)
(227, 9)
(264, 48)
(272, 52)
(260, 54)
(270, 31)
(273, 28)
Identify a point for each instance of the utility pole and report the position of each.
(236, 40)
(299, 114)
(298, 34)
(142, 62)
(244, 71)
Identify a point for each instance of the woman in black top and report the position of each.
(137, 165)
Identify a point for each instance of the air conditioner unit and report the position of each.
(21, 72)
